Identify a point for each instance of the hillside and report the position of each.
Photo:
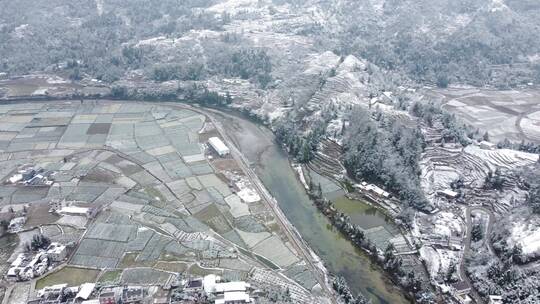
(479, 42)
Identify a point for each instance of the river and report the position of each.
(271, 164)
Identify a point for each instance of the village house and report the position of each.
(57, 252)
(110, 295)
(132, 295)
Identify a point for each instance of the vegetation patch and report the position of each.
(70, 275)
(179, 267)
(130, 260)
(111, 276)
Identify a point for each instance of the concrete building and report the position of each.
(235, 297)
(57, 252)
(227, 293)
(194, 285)
(85, 291)
(231, 287)
(74, 210)
(132, 295)
(218, 145)
(495, 300)
(51, 291)
(376, 190)
(110, 295)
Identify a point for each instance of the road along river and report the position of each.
(272, 166)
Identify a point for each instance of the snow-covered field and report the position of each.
(527, 234)
(509, 114)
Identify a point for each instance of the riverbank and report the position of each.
(341, 257)
(271, 164)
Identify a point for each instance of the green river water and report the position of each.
(339, 255)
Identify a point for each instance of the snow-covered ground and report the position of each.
(527, 234)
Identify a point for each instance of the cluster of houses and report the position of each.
(221, 292)
(462, 289)
(120, 294)
(88, 293)
(27, 266)
(374, 189)
(32, 177)
(208, 289)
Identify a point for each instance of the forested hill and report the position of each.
(480, 42)
(493, 42)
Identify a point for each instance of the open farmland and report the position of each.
(513, 115)
(158, 197)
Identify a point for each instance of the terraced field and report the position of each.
(514, 115)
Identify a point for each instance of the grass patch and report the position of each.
(197, 270)
(179, 267)
(187, 257)
(111, 276)
(274, 227)
(155, 193)
(70, 275)
(130, 260)
(212, 217)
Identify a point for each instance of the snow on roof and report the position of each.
(74, 210)
(487, 143)
(231, 286)
(18, 221)
(449, 192)
(377, 190)
(218, 145)
(209, 282)
(55, 287)
(85, 291)
(236, 296)
(56, 248)
(18, 261)
(15, 178)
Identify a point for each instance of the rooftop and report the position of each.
(218, 144)
(461, 286)
(85, 291)
(231, 286)
(194, 283)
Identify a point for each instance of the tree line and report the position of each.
(391, 263)
(385, 151)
